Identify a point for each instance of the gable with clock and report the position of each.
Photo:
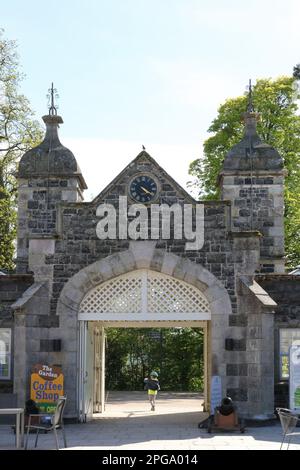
(144, 181)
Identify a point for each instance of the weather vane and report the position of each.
(250, 107)
(51, 96)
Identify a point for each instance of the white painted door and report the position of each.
(99, 383)
(86, 371)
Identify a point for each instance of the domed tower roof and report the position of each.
(251, 154)
(50, 157)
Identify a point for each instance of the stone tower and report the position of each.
(48, 174)
(252, 178)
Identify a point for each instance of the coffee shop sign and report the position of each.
(47, 385)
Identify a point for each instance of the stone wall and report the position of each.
(11, 288)
(253, 364)
(38, 199)
(257, 204)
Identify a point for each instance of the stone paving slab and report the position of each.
(128, 424)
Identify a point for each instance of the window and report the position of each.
(287, 337)
(5, 353)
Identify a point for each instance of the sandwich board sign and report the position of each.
(47, 385)
(215, 393)
(294, 387)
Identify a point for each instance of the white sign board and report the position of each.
(215, 393)
(295, 377)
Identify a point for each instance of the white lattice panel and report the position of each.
(144, 295)
(121, 295)
(167, 294)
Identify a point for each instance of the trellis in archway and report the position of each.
(144, 295)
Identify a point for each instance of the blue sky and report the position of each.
(136, 72)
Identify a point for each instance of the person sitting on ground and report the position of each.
(152, 385)
(226, 407)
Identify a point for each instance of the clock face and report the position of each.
(143, 189)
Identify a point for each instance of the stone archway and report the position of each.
(141, 255)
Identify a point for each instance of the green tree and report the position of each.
(279, 126)
(18, 132)
(183, 359)
(175, 353)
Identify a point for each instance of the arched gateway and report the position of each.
(140, 287)
(85, 279)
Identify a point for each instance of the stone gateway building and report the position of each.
(70, 285)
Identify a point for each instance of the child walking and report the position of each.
(152, 385)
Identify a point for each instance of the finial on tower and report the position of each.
(51, 105)
(250, 107)
(250, 117)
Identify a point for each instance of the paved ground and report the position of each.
(129, 424)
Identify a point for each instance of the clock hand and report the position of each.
(146, 191)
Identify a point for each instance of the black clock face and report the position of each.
(143, 189)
